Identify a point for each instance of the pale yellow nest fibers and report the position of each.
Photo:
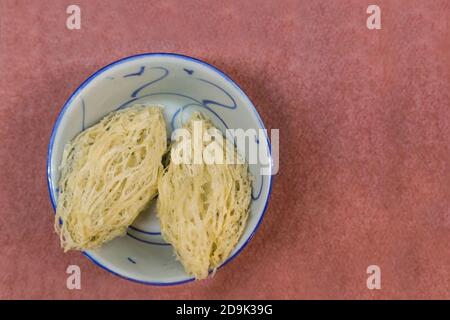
(109, 174)
(203, 208)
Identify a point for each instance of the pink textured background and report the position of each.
(364, 117)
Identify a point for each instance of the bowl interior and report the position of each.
(182, 85)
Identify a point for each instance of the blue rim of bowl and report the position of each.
(133, 57)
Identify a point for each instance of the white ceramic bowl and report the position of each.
(175, 81)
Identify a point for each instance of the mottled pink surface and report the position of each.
(364, 118)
